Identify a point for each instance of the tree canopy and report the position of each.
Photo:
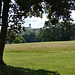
(57, 32)
(56, 9)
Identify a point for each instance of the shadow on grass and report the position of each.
(9, 70)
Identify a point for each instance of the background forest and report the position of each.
(57, 32)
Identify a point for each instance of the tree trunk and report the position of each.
(4, 29)
(0, 7)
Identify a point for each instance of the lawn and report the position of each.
(49, 56)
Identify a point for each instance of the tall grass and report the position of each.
(43, 47)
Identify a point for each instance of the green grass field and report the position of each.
(51, 56)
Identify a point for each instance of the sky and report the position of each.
(39, 22)
(36, 22)
(73, 16)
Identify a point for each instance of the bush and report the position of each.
(19, 39)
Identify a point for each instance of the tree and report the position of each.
(58, 32)
(19, 39)
(51, 32)
(3, 28)
(73, 32)
(31, 35)
(37, 36)
(56, 9)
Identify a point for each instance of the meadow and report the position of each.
(45, 56)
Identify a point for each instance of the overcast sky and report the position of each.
(73, 16)
(36, 22)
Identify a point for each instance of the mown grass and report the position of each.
(49, 56)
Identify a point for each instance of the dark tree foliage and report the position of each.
(58, 32)
(56, 9)
(15, 13)
(31, 35)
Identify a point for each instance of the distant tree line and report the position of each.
(27, 36)
(49, 32)
(58, 32)
(31, 35)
